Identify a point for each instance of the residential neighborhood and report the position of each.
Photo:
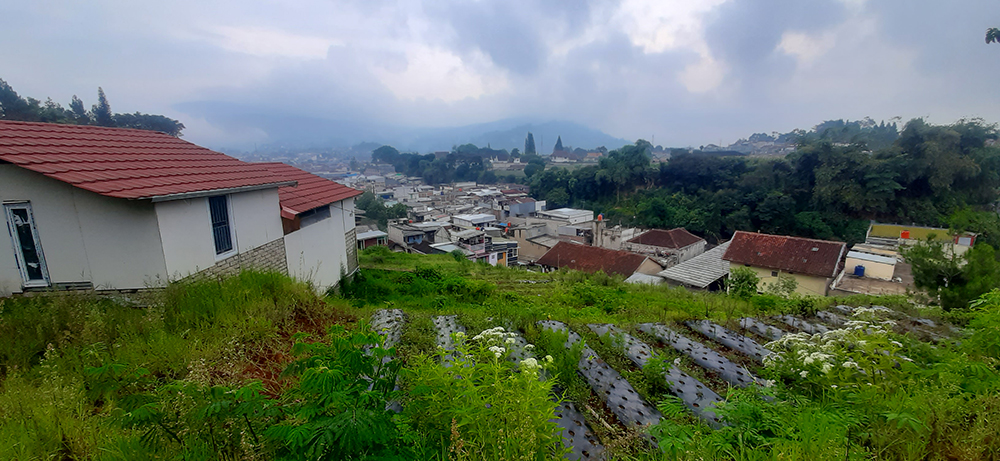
(96, 208)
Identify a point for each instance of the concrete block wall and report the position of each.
(267, 257)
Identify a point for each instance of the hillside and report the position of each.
(214, 370)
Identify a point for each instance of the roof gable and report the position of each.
(126, 163)
(312, 191)
(591, 259)
(676, 238)
(820, 258)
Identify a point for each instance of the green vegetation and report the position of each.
(841, 175)
(259, 367)
(376, 210)
(18, 108)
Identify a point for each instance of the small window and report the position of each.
(774, 273)
(222, 231)
(314, 215)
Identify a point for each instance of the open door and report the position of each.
(27, 247)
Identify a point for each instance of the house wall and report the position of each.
(679, 255)
(649, 267)
(807, 284)
(85, 237)
(873, 269)
(319, 253)
(186, 229)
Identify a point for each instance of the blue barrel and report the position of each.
(859, 271)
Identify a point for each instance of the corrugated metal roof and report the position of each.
(312, 191)
(647, 279)
(700, 271)
(820, 258)
(125, 163)
(676, 238)
(871, 257)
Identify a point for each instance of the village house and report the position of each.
(119, 209)
(668, 247)
(317, 217)
(707, 271)
(812, 263)
(593, 259)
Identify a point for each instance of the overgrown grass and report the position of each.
(209, 332)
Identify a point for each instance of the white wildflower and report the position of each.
(529, 363)
(804, 373)
(529, 347)
(833, 386)
(510, 341)
(808, 361)
(548, 358)
(850, 364)
(677, 362)
(497, 350)
(460, 334)
(826, 368)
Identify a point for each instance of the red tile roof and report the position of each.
(312, 191)
(125, 163)
(674, 238)
(591, 259)
(820, 258)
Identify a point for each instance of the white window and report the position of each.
(27, 246)
(222, 229)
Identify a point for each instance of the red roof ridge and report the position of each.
(808, 256)
(312, 191)
(126, 162)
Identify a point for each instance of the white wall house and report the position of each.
(318, 220)
(110, 208)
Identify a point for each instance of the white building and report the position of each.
(109, 208)
(570, 215)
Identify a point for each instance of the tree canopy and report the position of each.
(829, 187)
(27, 109)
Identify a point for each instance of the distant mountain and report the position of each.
(286, 132)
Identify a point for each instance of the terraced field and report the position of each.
(646, 373)
(727, 357)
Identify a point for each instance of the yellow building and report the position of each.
(812, 263)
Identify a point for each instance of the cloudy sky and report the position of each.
(688, 72)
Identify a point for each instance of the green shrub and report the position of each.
(476, 404)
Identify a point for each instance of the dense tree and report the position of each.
(376, 210)
(992, 35)
(953, 279)
(102, 110)
(529, 144)
(826, 189)
(15, 107)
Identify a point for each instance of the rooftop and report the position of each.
(591, 259)
(674, 238)
(312, 191)
(127, 163)
(700, 271)
(820, 258)
(475, 218)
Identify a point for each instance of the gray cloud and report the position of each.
(240, 71)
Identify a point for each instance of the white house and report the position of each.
(317, 216)
(122, 209)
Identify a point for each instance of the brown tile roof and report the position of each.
(820, 258)
(591, 259)
(674, 238)
(125, 163)
(312, 191)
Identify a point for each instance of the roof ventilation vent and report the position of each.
(815, 249)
